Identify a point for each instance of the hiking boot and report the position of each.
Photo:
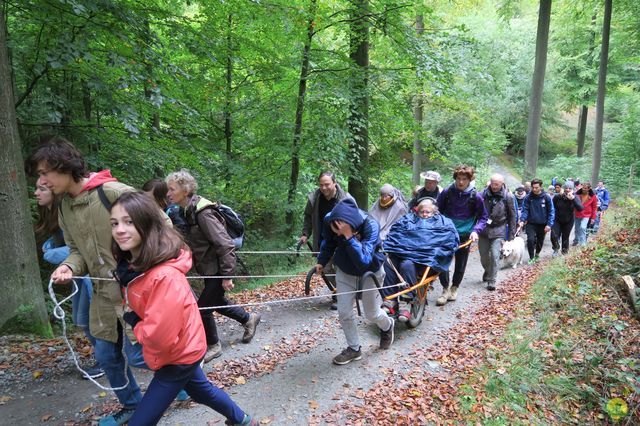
(93, 372)
(213, 351)
(247, 421)
(491, 286)
(442, 300)
(119, 418)
(386, 337)
(250, 327)
(532, 261)
(348, 355)
(389, 307)
(454, 293)
(404, 313)
(334, 303)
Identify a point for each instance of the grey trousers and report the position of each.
(489, 257)
(371, 302)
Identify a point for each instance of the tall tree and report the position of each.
(21, 286)
(417, 117)
(602, 86)
(537, 87)
(584, 109)
(297, 127)
(358, 119)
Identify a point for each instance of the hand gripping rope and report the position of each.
(59, 313)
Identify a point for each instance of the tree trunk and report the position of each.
(602, 87)
(297, 129)
(358, 119)
(418, 114)
(582, 129)
(150, 81)
(537, 87)
(20, 286)
(228, 93)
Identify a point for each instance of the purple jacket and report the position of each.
(467, 215)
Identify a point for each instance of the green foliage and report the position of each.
(22, 322)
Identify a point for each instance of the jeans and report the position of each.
(80, 306)
(163, 389)
(109, 356)
(581, 230)
(535, 238)
(460, 265)
(213, 295)
(489, 256)
(371, 302)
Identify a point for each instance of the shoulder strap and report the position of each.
(103, 197)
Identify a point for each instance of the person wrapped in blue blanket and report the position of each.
(417, 240)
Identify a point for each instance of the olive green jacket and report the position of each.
(85, 222)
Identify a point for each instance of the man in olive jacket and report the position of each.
(84, 218)
(501, 223)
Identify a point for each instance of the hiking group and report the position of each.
(129, 251)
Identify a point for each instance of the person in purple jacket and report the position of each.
(461, 203)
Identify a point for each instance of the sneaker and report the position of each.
(532, 261)
(386, 337)
(442, 300)
(389, 307)
(555, 253)
(404, 314)
(334, 303)
(247, 421)
(93, 372)
(213, 351)
(574, 243)
(119, 418)
(454, 293)
(491, 286)
(347, 355)
(250, 327)
(182, 396)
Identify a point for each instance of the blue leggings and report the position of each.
(162, 391)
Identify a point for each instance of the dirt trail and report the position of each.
(285, 375)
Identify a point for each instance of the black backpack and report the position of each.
(232, 221)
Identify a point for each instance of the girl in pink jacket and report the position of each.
(162, 310)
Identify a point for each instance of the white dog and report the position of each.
(512, 253)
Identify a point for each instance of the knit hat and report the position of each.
(567, 185)
(430, 175)
(386, 189)
(347, 210)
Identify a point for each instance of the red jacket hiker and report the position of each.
(170, 329)
(590, 204)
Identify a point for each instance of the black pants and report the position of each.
(562, 232)
(535, 238)
(460, 265)
(213, 295)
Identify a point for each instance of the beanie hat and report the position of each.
(387, 189)
(567, 185)
(347, 210)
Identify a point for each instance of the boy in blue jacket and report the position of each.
(539, 215)
(351, 238)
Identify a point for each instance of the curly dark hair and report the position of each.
(58, 154)
(462, 169)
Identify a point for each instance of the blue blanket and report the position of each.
(431, 241)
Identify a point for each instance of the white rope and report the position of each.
(278, 252)
(59, 313)
(199, 277)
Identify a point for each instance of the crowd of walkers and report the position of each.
(129, 252)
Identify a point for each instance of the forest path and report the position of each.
(285, 375)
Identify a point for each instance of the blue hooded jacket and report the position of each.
(358, 254)
(431, 241)
(538, 209)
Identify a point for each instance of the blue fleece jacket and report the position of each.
(358, 254)
(538, 209)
